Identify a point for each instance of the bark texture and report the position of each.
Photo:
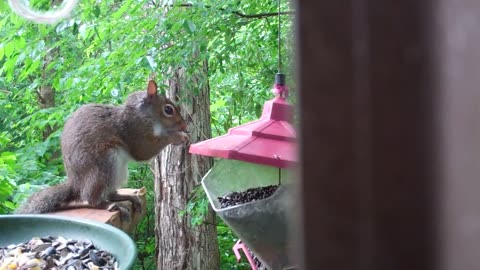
(177, 173)
(46, 93)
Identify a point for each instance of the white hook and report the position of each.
(47, 17)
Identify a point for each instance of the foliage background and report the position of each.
(105, 51)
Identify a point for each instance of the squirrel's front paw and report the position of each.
(136, 204)
(125, 215)
(185, 137)
(182, 138)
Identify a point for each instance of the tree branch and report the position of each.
(262, 15)
(249, 16)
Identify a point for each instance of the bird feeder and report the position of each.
(253, 155)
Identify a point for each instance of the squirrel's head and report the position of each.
(163, 109)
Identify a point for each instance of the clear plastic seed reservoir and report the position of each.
(261, 220)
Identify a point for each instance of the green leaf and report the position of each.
(151, 62)
(20, 43)
(121, 10)
(189, 26)
(2, 22)
(35, 64)
(8, 49)
(75, 28)
(96, 11)
(10, 205)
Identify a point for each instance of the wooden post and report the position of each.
(390, 134)
(457, 62)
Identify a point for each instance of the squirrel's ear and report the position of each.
(151, 89)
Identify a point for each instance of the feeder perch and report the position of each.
(256, 154)
(241, 246)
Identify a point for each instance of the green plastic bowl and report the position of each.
(15, 229)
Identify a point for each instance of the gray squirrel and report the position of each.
(97, 143)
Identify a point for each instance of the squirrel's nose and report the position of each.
(182, 126)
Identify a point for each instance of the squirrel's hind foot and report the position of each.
(125, 215)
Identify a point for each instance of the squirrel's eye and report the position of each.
(168, 110)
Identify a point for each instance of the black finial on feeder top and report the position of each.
(280, 79)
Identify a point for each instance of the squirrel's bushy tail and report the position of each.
(47, 200)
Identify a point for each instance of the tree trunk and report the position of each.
(46, 93)
(177, 173)
(46, 99)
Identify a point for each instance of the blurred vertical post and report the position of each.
(390, 134)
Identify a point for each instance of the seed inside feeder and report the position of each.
(249, 195)
(257, 262)
(56, 253)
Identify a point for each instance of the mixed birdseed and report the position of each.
(249, 195)
(55, 253)
(257, 262)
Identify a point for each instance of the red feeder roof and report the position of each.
(268, 141)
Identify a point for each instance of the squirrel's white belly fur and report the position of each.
(121, 158)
